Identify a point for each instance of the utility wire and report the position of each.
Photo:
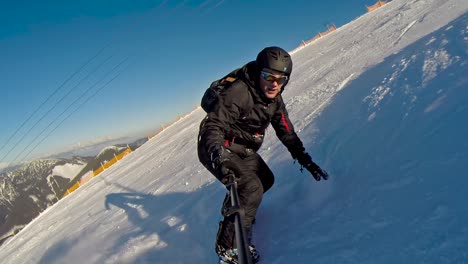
(51, 95)
(53, 107)
(80, 106)
(50, 124)
(61, 86)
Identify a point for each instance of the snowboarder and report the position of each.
(231, 134)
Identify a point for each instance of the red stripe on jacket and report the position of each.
(285, 123)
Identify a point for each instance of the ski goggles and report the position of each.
(270, 77)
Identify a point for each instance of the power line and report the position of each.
(51, 95)
(50, 124)
(81, 105)
(53, 107)
(59, 88)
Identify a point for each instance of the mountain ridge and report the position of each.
(29, 189)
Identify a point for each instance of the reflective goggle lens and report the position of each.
(269, 77)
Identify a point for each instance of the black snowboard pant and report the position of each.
(254, 179)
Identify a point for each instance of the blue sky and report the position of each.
(79, 71)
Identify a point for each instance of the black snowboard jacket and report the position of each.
(242, 116)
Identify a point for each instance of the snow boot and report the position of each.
(227, 256)
(230, 256)
(254, 254)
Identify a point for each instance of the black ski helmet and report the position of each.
(275, 58)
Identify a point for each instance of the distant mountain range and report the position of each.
(28, 189)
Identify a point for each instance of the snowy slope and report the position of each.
(31, 188)
(67, 170)
(381, 103)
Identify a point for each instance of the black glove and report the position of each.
(316, 171)
(222, 165)
(305, 160)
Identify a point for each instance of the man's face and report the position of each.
(271, 82)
